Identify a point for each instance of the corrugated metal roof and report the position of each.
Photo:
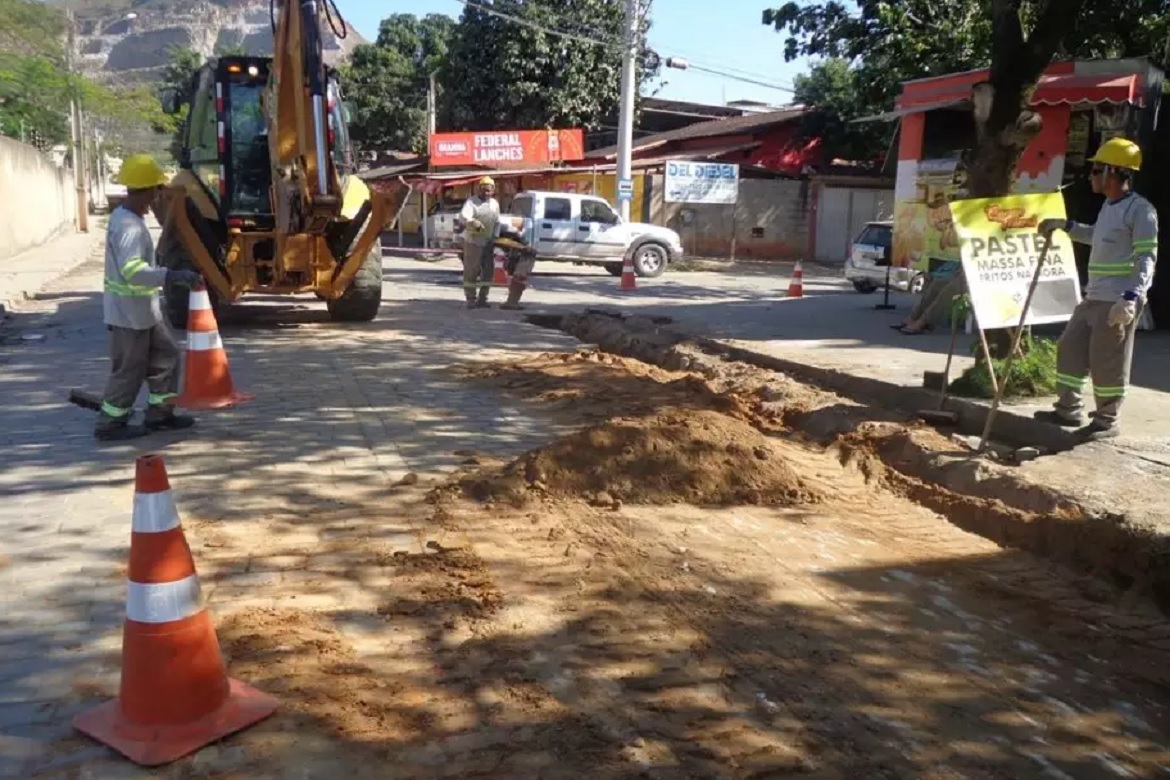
(716, 127)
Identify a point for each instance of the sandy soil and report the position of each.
(684, 588)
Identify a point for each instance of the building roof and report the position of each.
(717, 127)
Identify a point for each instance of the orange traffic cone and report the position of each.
(796, 286)
(499, 273)
(207, 382)
(175, 696)
(629, 278)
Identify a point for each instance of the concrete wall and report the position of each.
(770, 221)
(37, 199)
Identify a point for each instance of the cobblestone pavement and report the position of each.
(338, 410)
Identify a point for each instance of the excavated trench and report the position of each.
(916, 461)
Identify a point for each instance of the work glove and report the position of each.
(183, 278)
(1049, 226)
(475, 225)
(1122, 314)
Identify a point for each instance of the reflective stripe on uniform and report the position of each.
(123, 290)
(109, 410)
(158, 399)
(1070, 381)
(154, 513)
(1147, 244)
(133, 266)
(204, 342)
(1111, 269)
(163, 602)
(1109, 392)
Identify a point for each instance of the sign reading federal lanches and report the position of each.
(1001, 244)
(695, 182)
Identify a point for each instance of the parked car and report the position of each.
(586, 230)
(869, 259)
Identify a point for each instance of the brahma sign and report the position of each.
(507, 148)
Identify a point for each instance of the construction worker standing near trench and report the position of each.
(142, 347)
(480, 216)
(1098, 339)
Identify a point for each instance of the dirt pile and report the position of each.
(698, 457)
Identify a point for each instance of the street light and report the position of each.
(76, 128)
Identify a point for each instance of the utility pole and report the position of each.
(431, 108)
(77, 131)
(625, 156)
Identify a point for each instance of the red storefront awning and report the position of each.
(1060, 89)
(1073, 89)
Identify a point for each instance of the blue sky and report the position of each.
(705, 33)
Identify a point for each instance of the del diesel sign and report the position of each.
(695, 182)
(507, 148)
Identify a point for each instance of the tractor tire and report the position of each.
(360, 303)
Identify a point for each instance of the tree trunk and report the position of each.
(1016, 66)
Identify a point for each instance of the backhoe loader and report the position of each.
(266, 199)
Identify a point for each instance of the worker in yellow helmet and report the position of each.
(480, 217)
(142, 347)
(1098, 339)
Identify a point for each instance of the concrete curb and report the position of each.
(1010, 427)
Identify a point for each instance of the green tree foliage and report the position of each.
(36, 87)
(501, 74)
(889, 43)
(836, 92)
(385, 82)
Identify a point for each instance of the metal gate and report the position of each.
(841, 213)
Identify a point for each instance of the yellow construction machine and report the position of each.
(267, 199)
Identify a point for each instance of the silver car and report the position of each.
(869, 259)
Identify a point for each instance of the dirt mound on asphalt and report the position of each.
(696, 456)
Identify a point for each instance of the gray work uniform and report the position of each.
(1124, 244)
(142, 347)
(479, 246)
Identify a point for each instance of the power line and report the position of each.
(614, 45)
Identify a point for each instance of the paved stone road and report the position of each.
(339, 410)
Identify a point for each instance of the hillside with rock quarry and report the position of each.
(125, 50)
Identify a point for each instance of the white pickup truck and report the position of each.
(585, 229)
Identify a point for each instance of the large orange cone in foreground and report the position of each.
(207, 382)
(796, 286)
(175, 695)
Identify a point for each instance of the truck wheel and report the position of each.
(864, 286)
(650, 260)
(615, 269)
(360, 303)
(918, 284)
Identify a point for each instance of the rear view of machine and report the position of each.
(267, 199)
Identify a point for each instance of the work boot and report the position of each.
(163, 417)
(482, 303)
(1098, 431)
(116, 428)
(1053, 417)
(515, 290)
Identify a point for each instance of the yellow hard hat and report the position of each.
(141, 172)
(488, 180)
(1119, 153)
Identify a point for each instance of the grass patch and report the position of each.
(1033, 373)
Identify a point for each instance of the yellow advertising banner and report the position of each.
(1000, 242)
